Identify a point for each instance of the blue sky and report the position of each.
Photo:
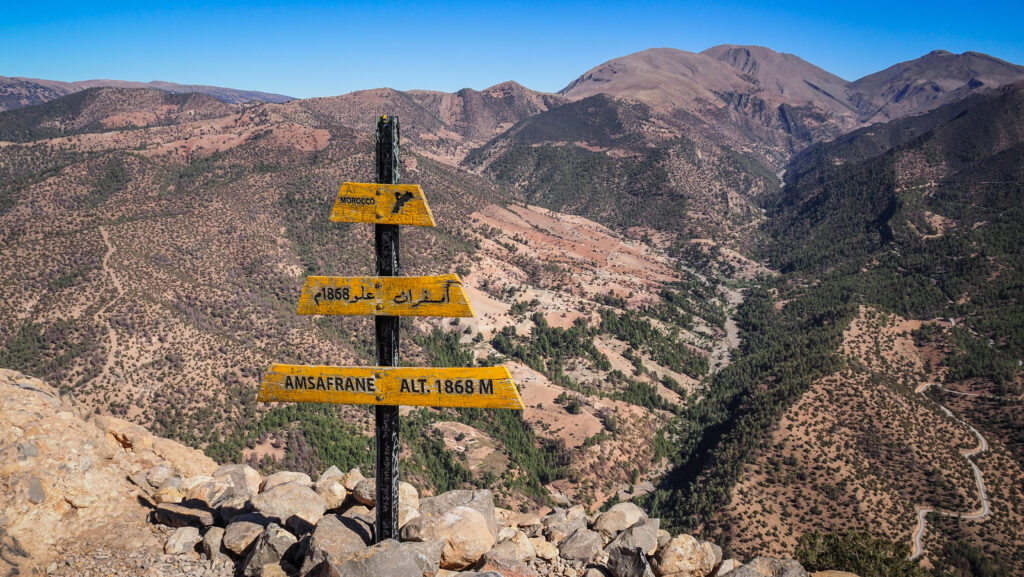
(307, 49)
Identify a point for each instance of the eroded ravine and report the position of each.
(101, 314)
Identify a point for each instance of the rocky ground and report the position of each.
(92, 495)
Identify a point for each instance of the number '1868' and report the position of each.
(464, 386)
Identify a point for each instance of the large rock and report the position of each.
(406, 514)
(334, 540)
(240, 477)
(179, 515)
(388, 558)
(770, 567)
(427, 555)
(684, 556)
(643, 535)
(618, 518)
(482, 500)
(209, 492)
(544, 549)
(730, 564)
(273, 546)
(331, 472)
(408, 495)
(463, 529)
(297, 506)
(282, 477)
(352, 479)
(332, 490)
(213, 546)
(147, 446)
(557, 530)
(628, 562)
(243, 531)
(583, 546)
(516, 549)
(182, 540)
(365, 492)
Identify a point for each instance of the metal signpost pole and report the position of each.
(386, 240)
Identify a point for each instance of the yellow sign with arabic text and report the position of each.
(419, 296)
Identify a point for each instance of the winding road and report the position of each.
(922, 512)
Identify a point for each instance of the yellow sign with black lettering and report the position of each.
(382, 204)
(419, 296)
(481, 387)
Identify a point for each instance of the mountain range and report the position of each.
(16, 92)
(732, 286)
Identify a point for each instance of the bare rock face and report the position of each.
(66, 478)
(147, 446)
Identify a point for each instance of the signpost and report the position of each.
(419, 296)
(388, 296)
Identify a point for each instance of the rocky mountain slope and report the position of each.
(89, 495)
(20, 92)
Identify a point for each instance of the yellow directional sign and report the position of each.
(482, 387)
(382, 204)
(420, 296)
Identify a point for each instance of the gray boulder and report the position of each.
(273, 546)
(619, 517)
(242, 477)
(770, 567)
(427, 555)
(365, 492)
(182, 515)
(182, 540)
(482, 500)
(281, 477)
(243, 531)
(334, 540)
(213, 546)
(583, 546)
(643, 535)
(629, 562)
(296, 505)
(385, 559)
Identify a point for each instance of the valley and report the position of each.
(757, 308)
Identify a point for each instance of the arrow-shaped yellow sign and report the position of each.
(483, 387)
(382, 204)
(419, 296)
